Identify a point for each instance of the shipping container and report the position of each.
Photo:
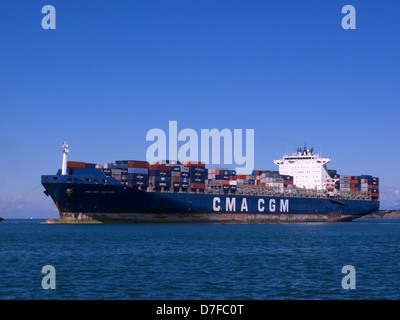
(194, 164)
(160, 173)
(185, 174)
(176, 168)
(194, 185)
(138, 164)
(138, 170)
(160, 179)
(162, 184)
(197, 180)
(75, 165)
(138, 183)
(138, 176)
(159, 167)
(222, 177)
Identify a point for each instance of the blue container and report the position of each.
(139, 183)
(176, 184)
(176, 168)
(163, 184)
(197, 169)
(185, 185)
(159, 173)
(224, 172)
(138, 176)
(221, 177)
(120, 166)
(197, 180)
(233, 187)
(138, 170)
(162, 179)
(232, 173)
(185, 174)
(185, 180)
(252, 181)
(197, 175)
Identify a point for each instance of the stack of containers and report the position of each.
(273, 180)
(160, 176)
(176, 176)
(287, 181)
(259, 177)
(232, 180)
(354, 183)
(374, 187)
(245, 179)
(365, 180)
(107, 169)
(241, 179)
(251, 179)
(185, 176)
(223, 178)
(179, 176)
(138, 173)
(117, 170)
(345, 183)
(197, 174)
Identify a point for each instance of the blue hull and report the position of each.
(86, 201)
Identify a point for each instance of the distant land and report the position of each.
(384, 214)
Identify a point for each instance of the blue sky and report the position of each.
(113, 70)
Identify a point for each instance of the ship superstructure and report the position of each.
(308, 169)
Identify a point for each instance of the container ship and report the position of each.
(303, 189)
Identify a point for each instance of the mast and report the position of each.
(64, 161)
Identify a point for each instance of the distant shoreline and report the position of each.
(384, 214)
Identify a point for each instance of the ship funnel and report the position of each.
(64, 161)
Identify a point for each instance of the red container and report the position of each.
(194, 164)
(138, 164)
(159, 167)
(75, 165)
(195, 185)
(287, 181)
(176, 179)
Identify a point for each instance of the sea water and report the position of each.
(200, 261)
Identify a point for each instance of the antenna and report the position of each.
(64, 161)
